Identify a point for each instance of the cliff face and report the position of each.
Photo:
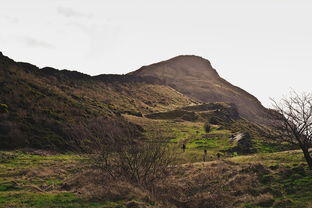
(195, 77)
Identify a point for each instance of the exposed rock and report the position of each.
(244, 144)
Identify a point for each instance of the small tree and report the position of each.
(294, 122)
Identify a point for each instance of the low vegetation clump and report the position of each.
(207, 127)
(175, 114)
(4, 108)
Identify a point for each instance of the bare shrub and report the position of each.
(116, 148)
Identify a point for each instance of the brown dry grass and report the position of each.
(212, 184)
(97, 185)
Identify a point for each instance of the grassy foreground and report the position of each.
(34, 179)
(269, 178)
(289, 180)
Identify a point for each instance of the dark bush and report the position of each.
(214, 120)
(207, 127)
(3, 108)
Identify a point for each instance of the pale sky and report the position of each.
(262, 46)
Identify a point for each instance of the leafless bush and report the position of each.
(116, 148)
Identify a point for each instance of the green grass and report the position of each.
(190, 133)
(22, 175)
(51, 200)
(211, 144)
(286, 158)
(269, 146)
(289, 180)
(196, 139)
(294, 187)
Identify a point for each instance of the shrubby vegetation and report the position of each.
(118, 151)
(207, 127)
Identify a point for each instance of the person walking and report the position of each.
(205, 155)
(218, 155)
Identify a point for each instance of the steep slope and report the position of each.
(42, 103)
(196, 78)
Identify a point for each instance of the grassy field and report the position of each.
(32, 180)
(289, 179)
(35, 179)
(193, 135)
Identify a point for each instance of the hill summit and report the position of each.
(195, 77)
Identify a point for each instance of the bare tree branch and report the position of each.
(294, 121)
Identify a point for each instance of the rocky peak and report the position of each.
(195, 77)
(180, 67)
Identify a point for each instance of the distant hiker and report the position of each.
(205, 155)
(218, 155)
(183, 147)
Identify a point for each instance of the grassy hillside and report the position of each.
(177, 131)
(40, 104)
